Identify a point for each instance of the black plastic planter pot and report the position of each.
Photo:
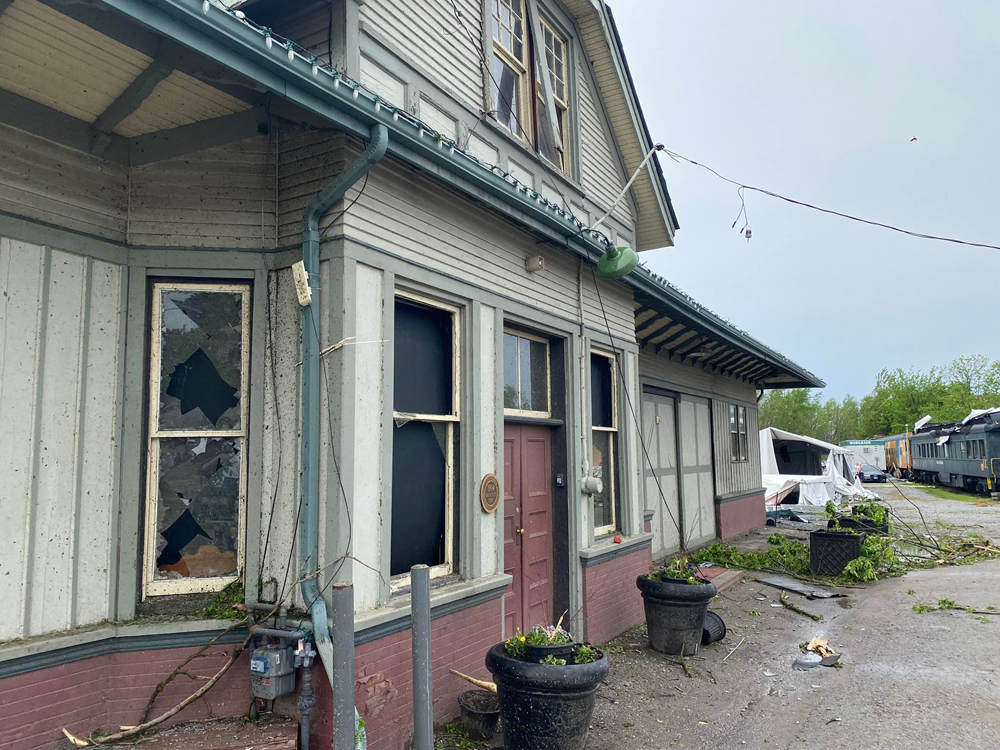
(545, 707)
(714, 630)
(675, 614)
(480, 713)
(537, 653)
(861, 523)
(830, 551)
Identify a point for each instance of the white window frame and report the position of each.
(561, 105)
(402, 580)
(525, 86)
(609, 476)
(151, 586)
(508, 412)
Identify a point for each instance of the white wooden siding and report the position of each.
(415, 217)
(427, 32)
(438, 119)
(616, 298)
(601, 168)
(178, 100)
(732, 477)
(382, 82)
(219, 197)
(307, 161)
(664, 373)
(60, 347)
(42, 180)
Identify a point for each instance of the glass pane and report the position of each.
(418, 495)
(201, 358)
(603, 468)
(511, 397)
(197, 508)
(423, 359)
(539, 375)
(505, 95)
(601, 390)
(526, 394)
(743, 446)
(735, 447)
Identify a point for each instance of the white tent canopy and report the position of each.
(790, 462)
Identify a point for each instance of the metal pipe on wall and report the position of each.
(343, 663)
(420, 614)
(344, 728)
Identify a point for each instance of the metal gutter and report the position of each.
(343, 714)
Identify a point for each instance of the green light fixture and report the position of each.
(617, 262)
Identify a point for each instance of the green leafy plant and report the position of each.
(515, 645)
(586, 655)
(830, 510)
(540, 635)
(222, 606)
(946, 604)
(610, 648)
(922, 608)
(984, 620)
(680, 568)
(754, 612)
(911, 592)
(553, 661)
(874, 511)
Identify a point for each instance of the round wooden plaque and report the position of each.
(489, 493)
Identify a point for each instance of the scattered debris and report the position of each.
(788, 605)
(769, 674)
(734, 649)
(754, 612)
(820, 646)
(831, 721)
(798, 587)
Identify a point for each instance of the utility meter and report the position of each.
(272, 672)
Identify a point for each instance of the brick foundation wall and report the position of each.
(384, 676)
(737, 517)
(611, 602)
(111, 690)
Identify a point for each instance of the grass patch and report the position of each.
(947, 494)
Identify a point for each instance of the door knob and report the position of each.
(520, 531)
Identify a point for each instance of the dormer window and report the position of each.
(533, 109)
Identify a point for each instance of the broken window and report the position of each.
(525, 375)
(425, 436)
(196, 467)
(604, 436)
(526, 104)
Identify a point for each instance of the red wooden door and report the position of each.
(527, 526)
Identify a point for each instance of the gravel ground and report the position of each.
(908, 680)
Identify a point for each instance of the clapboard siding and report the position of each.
(617, 301)
(308, 160)
(42, 180)
(415, 217)
(218, 197)
(732, 477)
(601, 170)
(60, 348)
(663, 372)
(427, 32)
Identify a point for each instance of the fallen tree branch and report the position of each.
(180, 669)
(478, 683)
(798, 610)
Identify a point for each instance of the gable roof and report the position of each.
(656, 221)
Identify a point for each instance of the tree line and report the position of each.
(899, 399)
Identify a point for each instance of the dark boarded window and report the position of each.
(601, 386)
(424, 436)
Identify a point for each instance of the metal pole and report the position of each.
(420, 608)
(343, 666)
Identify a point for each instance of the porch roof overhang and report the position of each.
(671, 324)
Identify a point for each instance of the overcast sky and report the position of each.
(819, 101)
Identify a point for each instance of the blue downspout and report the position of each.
(309, 546)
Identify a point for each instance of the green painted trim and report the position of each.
(722, 499)
(131, 98)
(442, 610)
(115, 644)
(590, 558)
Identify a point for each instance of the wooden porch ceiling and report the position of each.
(82, 76)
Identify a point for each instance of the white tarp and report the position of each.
(816, 484)
(980, 412)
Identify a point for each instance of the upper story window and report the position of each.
(518, 99)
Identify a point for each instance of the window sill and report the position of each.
(604, 548)
(451, 595)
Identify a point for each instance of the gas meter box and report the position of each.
(272, 672)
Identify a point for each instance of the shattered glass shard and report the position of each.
(198, 385)
(178, 535)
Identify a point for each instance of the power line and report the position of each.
(743, 186)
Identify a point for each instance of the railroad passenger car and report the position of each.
(959, 454)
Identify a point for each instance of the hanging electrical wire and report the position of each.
(743, 186)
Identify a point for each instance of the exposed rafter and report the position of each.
(186, 139)
(647, 332)
(644, 315)
(671, 344)
(661, 336)
(127, 102)
(748, 367)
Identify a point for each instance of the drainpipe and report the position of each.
(343, 721)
